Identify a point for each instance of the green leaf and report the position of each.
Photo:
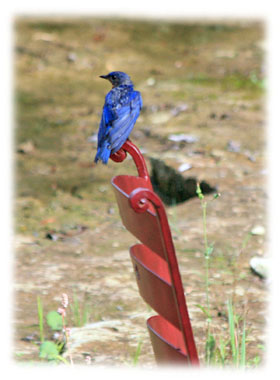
(48, 350)
(199, 192)
(54, 320)
(209, 250)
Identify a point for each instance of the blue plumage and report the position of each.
(120, 112)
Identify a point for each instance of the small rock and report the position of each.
(72, 57)
(184, 167)
(182, 137)
(250, 156)
(233, 146)
(30, 338)
(178, 109)
(259, 265)
(103, 189)
(151, 81)
(239, 291)
(111, 211)
(92, 138)
(56, 335)
(258, 230)
(52, 236)
(26, 147)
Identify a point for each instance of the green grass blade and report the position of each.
(222, 351)
(41, 318)
(137, 353)
(76, 310)
(210, 348)
(243, 346)
(85, 316)
(206, 312)
(232, 332)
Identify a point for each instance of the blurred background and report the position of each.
(202, 85)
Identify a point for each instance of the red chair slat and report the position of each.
(145, 226)
(167, 341)
(154, 282)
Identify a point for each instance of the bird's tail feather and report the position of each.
(102, 154)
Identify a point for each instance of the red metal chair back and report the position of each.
(154, 262)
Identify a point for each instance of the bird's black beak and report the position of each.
(104, 76)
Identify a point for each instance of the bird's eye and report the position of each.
(114, 77)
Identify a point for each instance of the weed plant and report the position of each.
(232, 350)
(137, 353)
(52, 350)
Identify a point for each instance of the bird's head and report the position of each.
(117, 78)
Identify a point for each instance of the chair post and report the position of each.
(133, 150)
(143, 214)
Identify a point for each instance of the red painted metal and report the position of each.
(167, 341)
(154, 262)
(145, 226)
(129, 147)
(154, 282)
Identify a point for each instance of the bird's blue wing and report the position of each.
(104, 149)
(123, 124)
(118, 118)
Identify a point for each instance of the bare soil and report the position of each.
(68, 234)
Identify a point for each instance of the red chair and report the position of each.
(154, 262)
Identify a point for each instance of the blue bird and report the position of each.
(120, 112)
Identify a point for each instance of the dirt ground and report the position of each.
(201, 79)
